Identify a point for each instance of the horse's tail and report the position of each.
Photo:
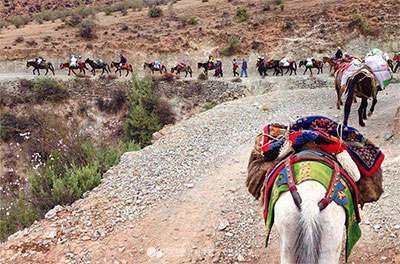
(308, 234)
(295, 65)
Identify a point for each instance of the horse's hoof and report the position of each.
(370, 114)
(362, 123)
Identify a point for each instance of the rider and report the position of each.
(39, 60)
(338, 54)
(73, 61)
(122, 61)
(218, 71)
(180, 66)
(210, 61)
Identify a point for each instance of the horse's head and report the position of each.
(325, 59)
(199, 65)
(302, 63)
(145, 65)
(172, 69)
(396, 57)
(28, 64)
(62, 66)
(87, 60)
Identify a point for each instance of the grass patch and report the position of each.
(87, 29)
(45, 89)
(186, 20)
(208, 106)
(19, 21)
(362, 23)
(202, 77)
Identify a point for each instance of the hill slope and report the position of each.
(303, 27)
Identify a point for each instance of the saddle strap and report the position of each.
(332, 187)
(292, 182)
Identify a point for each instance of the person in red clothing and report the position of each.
(235, 66)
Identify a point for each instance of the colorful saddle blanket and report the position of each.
(320, 171)
(325, 134)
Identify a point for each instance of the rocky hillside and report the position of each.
(294, 27)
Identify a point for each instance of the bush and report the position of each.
(232, 48)
(19, 21)
(188, 20)
(16, 217)
(242, 13)
(38, 17)
(73, 20)
(19, 39)
(12, 126)
(164, 113)
(115, 104)
(202, 77)
(208, 106)
(363, 25)
(87, 29)
(2, 24)
(129, 145)
(46, 89)
(282, 6)
(155, 12)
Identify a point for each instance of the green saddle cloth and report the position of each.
(317, 171)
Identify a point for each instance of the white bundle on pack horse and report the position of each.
(310, 178)
(362, 79)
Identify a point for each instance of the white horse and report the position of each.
(310, 236)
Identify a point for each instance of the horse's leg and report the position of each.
(371, 110)
(363, 105)
(305, 71)
(47, 71)
(127, 72)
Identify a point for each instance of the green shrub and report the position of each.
(19, 21)
(232, 48)
(282, 6)
(46, 89)
(242, 13)
(202, 77)
(19, 216)
(12, 126)
(155, 12)
(85, 11)
(208, 106)
(73, 20)
(129, 145)
(38, 17)
(363, 25)
(188, 20)
(2, 24)
(87, 29)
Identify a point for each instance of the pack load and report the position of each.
(309, 62)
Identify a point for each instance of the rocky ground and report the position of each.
(183, 199)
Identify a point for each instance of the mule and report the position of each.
(119, 68)
(263, 67)
(161, 69)
(292, 67)
(94, 65)
(361, 86)
(79, 65)
(316, 64)
(205, 66)
(44, 65)
(338, 87)
(187, 69)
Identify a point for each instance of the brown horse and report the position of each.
(161, 69)
(44, 66)
(361, 85)
(332, 63)
(128, 67)
(292, 67)
(79, 65)
(187, 69)
(268, 64)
